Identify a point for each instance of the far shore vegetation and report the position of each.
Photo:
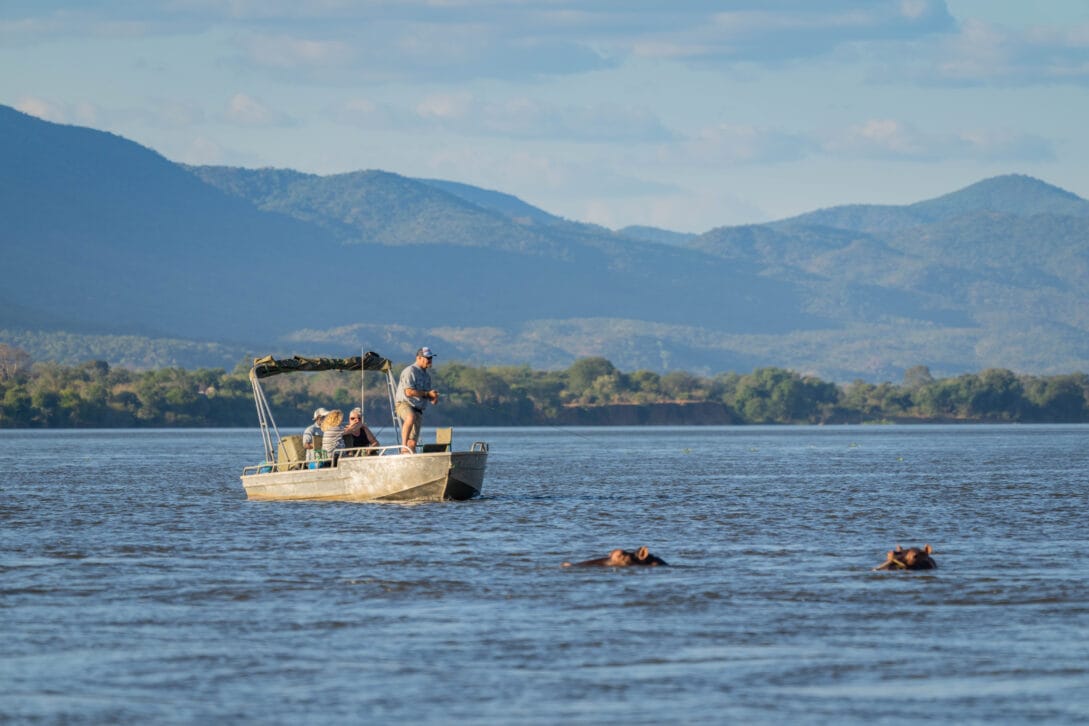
(590, 391)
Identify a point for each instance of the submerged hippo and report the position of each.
(623, 558)
(913, 558)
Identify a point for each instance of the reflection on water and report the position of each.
(138, 584)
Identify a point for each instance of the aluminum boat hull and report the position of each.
(428, 477)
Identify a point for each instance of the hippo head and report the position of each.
(642, 556)
(913, 558)
(624, 558)
(619, 558)
(918, 559)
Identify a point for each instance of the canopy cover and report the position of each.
(269, 366)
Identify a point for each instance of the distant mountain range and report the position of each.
(112, 251)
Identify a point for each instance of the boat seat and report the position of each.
(443, 438)
(290, 454)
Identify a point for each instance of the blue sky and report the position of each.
(680, 114)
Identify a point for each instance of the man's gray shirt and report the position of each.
(416, 378)
(312, 435)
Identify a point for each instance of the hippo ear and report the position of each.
(898, 549)
(641, 553)
(928, 549)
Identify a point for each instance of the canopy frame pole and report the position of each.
(264, 418)
(391, 389)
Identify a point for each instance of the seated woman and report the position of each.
(332, 439)
(357, 435)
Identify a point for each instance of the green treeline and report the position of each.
(94, 395)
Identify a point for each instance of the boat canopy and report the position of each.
(269, 366)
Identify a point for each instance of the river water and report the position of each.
(138, 585)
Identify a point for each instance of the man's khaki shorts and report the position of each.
(406, 412)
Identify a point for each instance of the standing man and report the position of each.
(313, 433)
(414, 392)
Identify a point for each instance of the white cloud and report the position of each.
(915, 9)
(515, 172)
(881, 138)
(32, 22)
(445, 106)
(1005, 145)
(789, 31)
(358, 111)
(205, 150)
(522, 117)
(28, 29)
(172, 113)
(738, 144)
(337, 41)
(982, 53)
(245, 110)
(80, 113)
(897, 140)
(41, 108)
(360, 106)
(875, 139)
(527, 118)
(290, 52)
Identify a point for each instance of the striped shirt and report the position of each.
(332, 440)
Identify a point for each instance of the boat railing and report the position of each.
(324, 461)
(368, 451)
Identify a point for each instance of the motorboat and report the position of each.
(432, 472)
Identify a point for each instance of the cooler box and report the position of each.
(290, 454)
